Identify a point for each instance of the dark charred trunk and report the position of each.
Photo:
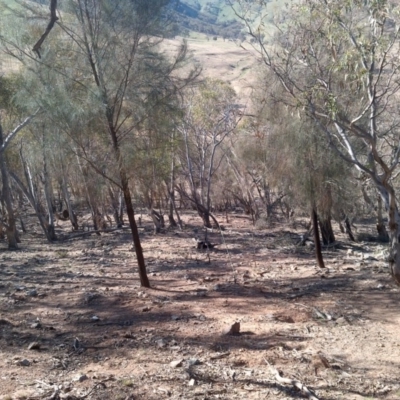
(317, 241)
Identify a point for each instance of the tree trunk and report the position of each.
(144, 280)
(11, 230)
(317, 241)
(30, 194)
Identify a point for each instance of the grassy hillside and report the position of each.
(223, 59)
(217, 9)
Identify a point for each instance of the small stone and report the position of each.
(32, 293)
(192, 382)
(23, 363)
(36, 325)
(34, 346)
(193, 361)
(176, 364)
(146, 309)
(80, 378)
(175, 317)
(95, 318)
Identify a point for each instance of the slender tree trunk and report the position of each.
(144, 280)
(317, 241)
(30, 194)
(11, 231)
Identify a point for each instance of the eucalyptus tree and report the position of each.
(338, 63)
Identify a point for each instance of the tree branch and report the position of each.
(53, 20)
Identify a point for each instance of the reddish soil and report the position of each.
(74, 322)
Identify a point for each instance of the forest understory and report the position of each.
(76, 324)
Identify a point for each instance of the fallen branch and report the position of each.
(297, 384)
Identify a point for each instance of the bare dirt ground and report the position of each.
(74, 322)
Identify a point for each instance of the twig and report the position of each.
(297, 384)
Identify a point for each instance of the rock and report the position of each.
(192, 382)
(34, 346)
(175, 317)
(234, 329)
(146, 309)
(32, 293)
(176, 363)
(80, 378)
(193, 361)
(95, 318)
(23, 363)
(36, 325)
